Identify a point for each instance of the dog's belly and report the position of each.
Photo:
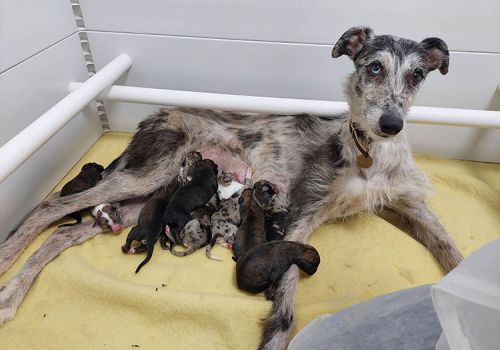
(227, 162)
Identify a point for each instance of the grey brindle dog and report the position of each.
(314, 162)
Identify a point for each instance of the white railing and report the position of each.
(17, 150)
(417, 115)
(23, 145)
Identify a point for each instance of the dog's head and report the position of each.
(389, 72)
(187, 166)
(108, 217)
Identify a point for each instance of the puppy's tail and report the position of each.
(189, 250)
(77, 217)
(209, 248)
(150, 247)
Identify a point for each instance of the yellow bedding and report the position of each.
(90, 298)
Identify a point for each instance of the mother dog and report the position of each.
(325, 168)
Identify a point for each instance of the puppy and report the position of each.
(251, 232)
(89, 176)
(277, 215)
(150, 220)
(196, 233)
(225, 221)
(108, 217)
(185, 172)
(262, 267)
(192, 195)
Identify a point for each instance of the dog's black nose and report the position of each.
(390, 123)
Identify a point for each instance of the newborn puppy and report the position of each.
(150, 219)
(225, 221)
(187, 198)
(196, 233)
(263, 266)
(251, 232)
(187, 166)
(88, 177)
(108, 217)
(277, 215)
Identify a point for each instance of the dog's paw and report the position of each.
(10, 299)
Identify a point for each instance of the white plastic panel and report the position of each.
(279, 70)
(465, 25)
(27, 27)
(26, 91)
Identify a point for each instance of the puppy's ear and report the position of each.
(352, 41)
(438, 56)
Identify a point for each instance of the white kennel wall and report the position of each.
(282, 48)
(40, 54)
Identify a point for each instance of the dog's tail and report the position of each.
(150, 247)
(210, 246)
(280, 322)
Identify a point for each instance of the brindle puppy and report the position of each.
(251, 233)
(277, 215)
(88, 177)
(262, 267)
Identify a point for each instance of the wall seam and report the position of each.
(89, 61)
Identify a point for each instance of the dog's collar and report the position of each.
(364, 160)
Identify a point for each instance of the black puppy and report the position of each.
(251, 232)
(192, 195)
(88, 177)
(150, 219)
(261, 267)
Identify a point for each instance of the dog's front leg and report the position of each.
(280, 322)
(423, 226)
(13, 293)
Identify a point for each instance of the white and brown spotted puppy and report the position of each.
(225, 221)
(262, 266)
(196, 233)
(277, 215)
(108, 217)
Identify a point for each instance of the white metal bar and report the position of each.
(17, 150)
(418, 115)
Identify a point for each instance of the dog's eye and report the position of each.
(417, 76)
(375, 68)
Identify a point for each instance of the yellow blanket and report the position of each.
(90, 298)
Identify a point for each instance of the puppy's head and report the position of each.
(389, 73)
(93, 167)
(308, 261)
(187, 166)
(228, 185)
(108, 217)
(263, 192)
(208, 164)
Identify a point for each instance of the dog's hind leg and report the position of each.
(424, 227)
(14, 291)
(124, 184)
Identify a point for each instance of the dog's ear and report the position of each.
(438, 56)
(352, 41)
